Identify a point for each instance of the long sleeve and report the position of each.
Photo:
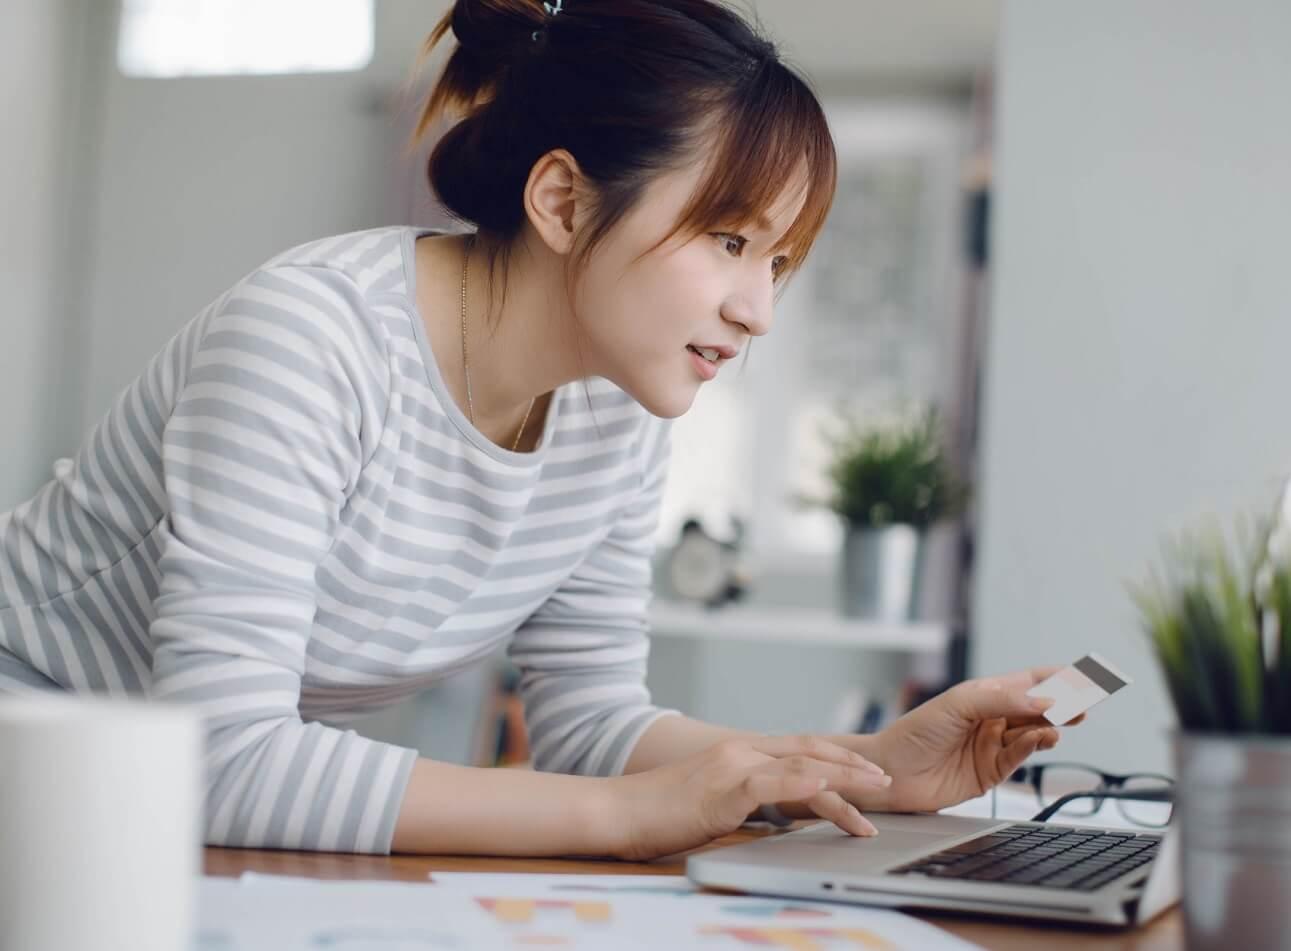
(582, 655)
(281, 405)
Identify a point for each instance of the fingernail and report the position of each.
(1042, 703)
(873, 767)
(822, 784)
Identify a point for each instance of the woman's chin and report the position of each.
(664, 403)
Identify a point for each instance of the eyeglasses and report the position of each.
(1074, 790)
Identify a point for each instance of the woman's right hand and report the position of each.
(694, 800)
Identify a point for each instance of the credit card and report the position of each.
(1075, 689)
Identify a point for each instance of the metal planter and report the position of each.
(881, 573)
(1234, 812)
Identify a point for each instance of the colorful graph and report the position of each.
(803, 939)
(521, 911)
(777, 910)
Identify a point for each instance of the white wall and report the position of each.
(200, 180)
(39, 89)
(1139, 366)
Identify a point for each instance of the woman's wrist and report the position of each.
(870, 745)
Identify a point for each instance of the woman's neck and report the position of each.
(518, 354)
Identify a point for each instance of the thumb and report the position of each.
(992, 697)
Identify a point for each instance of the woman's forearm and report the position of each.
(676, 737)
(465, 810)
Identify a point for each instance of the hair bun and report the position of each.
(497, 30)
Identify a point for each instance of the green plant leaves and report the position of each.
(891, 476)
(1206, 625)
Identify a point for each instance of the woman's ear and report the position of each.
(556, 199)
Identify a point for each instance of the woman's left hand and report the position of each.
(963, 742)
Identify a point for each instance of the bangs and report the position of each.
(772, 135)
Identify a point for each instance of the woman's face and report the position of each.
(643, 320)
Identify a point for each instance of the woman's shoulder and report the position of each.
(334, 290)
(372, 259)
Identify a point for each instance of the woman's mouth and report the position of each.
(705, 361)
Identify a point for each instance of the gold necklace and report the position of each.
(466, 363)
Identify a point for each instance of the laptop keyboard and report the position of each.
(1080, 859)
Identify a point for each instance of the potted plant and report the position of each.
(890, 483)
(1220, 626)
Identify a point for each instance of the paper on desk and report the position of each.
(656, 885)
(345, 916)
(640, 905)
(521, 912)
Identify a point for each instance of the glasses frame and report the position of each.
(1110, 786)
(1160, 794)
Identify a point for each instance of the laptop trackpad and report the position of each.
(900, 839)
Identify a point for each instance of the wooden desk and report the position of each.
(1164, 934)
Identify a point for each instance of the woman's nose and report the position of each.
(754, 318)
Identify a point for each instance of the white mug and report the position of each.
(100, 824)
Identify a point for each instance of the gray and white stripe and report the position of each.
(287, 522)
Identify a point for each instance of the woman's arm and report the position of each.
(683, 804)
(466, 810)
(277, 400)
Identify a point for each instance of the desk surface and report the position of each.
(1164, 934)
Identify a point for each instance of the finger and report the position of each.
(814, 746)
(1015, 754)
(988, 741)
(830, 805)
(850, 781)
(1048, 735)
(999, 697)
(1019, 680)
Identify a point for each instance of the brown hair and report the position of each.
(631, 88)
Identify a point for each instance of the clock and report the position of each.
(702, 568)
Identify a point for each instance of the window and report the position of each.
(167, 38)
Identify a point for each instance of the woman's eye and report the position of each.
(735, 243)
(727, 240)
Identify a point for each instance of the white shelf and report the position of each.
(770, 624)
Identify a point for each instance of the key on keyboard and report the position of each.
(1083, 859)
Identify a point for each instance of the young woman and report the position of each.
(381, 455)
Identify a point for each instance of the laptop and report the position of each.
(984, 866)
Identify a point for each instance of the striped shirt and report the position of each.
(287, 522)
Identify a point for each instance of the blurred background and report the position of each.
(1062, 225)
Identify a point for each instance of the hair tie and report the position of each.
(537, 35)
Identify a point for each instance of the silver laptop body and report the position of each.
(823, 862)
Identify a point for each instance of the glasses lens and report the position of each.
(1154, 815)
(1059, 779)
